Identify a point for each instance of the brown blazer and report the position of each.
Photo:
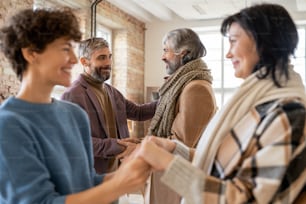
(104, 146)
(194, 109)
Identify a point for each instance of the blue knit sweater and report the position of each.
(45, 152)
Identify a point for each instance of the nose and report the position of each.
(108, 61)
(163, 57)
(229, 54)
(73, 58)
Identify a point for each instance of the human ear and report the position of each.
(84, 61)
(185, 56)
(28, 54)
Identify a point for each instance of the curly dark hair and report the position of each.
(36, 29)
(275, 35)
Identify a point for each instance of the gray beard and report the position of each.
(98, 77)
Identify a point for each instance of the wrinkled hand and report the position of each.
(129, 148)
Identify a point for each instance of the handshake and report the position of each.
(139, 159)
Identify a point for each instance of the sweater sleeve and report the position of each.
(98, 179)
(140, 112)
(23, 176)
(182, 150)
(184, 179)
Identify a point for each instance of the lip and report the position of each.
(235, 63)
(67, 70)
(105, 70)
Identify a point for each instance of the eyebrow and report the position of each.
(105, 55)
(69, 44)
(233, 35)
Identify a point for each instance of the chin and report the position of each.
(65, 84)
(237, 75)
(105, 77)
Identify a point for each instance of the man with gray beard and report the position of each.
(187, 102)
(107, 108)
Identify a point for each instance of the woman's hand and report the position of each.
(131, 175)
(164, 143)
(154, 154)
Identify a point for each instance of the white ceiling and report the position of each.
(167, 10)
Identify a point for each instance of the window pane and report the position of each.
(218, 95)
(212, 43)
(216, 69)
(299, 61)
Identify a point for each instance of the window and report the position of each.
(105, 33)
(224, 81)
(299, 60)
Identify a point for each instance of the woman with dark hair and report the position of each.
(45, 144)
(253, 150)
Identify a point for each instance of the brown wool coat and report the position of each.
(194, 109)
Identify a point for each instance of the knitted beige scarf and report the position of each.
(169, 93)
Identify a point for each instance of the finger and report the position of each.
(135, 140)
(156, 140)
(152, 154)
(121, 155)
(126, 152)
(134, 153)
(148, 137)
(132, 140)
(123, 143)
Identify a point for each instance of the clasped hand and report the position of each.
(155, 151)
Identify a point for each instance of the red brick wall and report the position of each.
(9, 83)
(128, 57)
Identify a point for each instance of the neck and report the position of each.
(33, 92)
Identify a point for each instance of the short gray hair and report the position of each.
(88, 46)
(185, 39)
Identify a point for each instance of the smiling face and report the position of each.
(53, 66)
(242, 51)
(99, 65)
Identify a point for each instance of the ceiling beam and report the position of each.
(133, 9)
(155, 8)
